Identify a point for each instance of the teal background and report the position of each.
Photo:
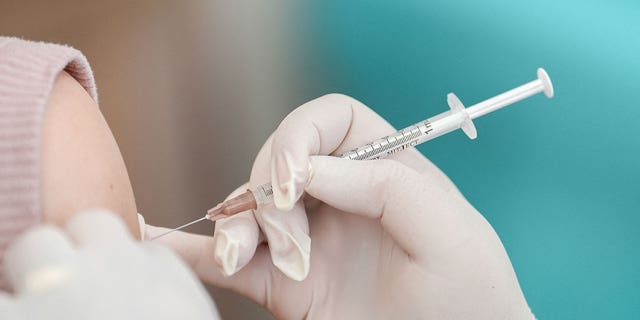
(558, 179)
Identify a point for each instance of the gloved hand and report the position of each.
(97, 271)
(379, 239)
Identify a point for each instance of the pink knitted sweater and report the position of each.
(27, 73)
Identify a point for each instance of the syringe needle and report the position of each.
(178, 228)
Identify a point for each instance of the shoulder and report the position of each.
(81, 165)
(51, 91)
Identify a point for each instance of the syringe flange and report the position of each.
(466, 124)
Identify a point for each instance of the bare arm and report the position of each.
(81, 165)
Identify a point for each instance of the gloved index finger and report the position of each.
(331, 124)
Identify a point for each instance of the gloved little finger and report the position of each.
(38, 260)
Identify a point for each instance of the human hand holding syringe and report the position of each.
(390, 238)
(458, 117)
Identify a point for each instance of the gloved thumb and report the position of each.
(419, 214)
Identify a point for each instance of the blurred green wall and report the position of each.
(558, 179)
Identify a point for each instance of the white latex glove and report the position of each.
(97, 271)
(390, 238)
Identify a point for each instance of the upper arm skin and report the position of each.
(81, 166)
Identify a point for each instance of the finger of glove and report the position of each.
(331, 124)
(38, 260)
(98, 228)
(235, 238)
(288, 237)
(420, 215)
(286, 232)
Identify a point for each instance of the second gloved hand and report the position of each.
(96, 271)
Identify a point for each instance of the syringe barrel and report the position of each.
(397, 141)
(410, 136)
(263, 193)
(442, 124)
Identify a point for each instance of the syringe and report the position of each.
(458, 117)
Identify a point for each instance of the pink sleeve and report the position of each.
(27, 74)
